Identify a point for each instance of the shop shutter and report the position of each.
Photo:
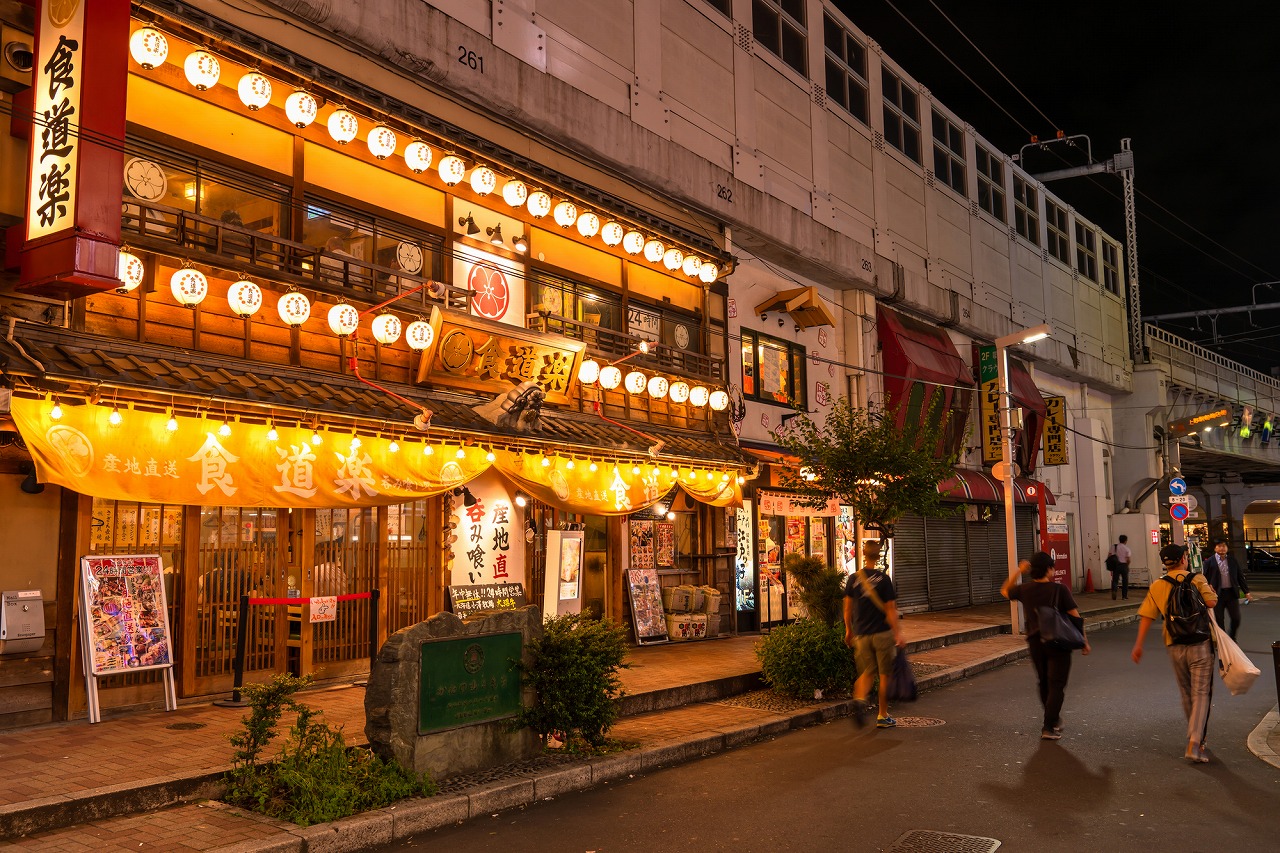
(984, 587)
(1025, 522)
(910, 568)
(948, 558)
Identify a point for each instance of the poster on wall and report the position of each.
(847, 541)
(562, 590)
(795, 536)
(496, 284)
(642, 543)
(745, 562)
(818, 539)
(647, 616)
(665, 547)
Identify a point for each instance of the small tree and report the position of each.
(820, 588)
(864, 459)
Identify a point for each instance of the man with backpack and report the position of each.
(1181, 600)
(1118, 565)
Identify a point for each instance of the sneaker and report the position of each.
(885, 722)
(860, 713)
(1051, 734)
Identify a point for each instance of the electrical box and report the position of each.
(22, 622)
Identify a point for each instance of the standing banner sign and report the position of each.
(1055, 431)
(563, 591)
(989, 399)
(124, 622)
(1057, 542)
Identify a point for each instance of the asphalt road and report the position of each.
(1116, 781)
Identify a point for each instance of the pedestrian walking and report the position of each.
(1052, 664)
(873, 631)
(1119, 567)
(1228, 580)
(1192, 662)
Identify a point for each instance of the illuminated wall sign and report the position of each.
(1183, 426)
(776, 503)
(482, 355)
(75, 167)
(490, 543)
(989, 400)
(496, 284)
(645, 324)
(1055, 431)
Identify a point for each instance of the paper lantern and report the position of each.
(610, 378)
(692, 263)
(381, 142)
(419, 335)
(653, 251)
(483, 180)
(254, 90)
(589, 371)
(189, 287)
(612, 233)
(244, 297)
(514, 192)
(202, 69)
(294, 308)
(130, 270)
(673, 259)
(301, 108)
(658, 387)
(633, 242)
(148, 47)
(343, 319)
(636, 382)
(588, 224)
(698, 395)
(539, 204)
(566, 214)
(417, 156)
(343, 125)
(708, 272)
(452, 170)
(719, 400)
(679, 392)
(386, 329)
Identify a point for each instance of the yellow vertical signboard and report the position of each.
(1055, 431)
(989, 401)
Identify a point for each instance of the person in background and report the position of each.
(873, 631)
(1120, 577)
(1053, 665)
(1192, 662)
(1227, 578)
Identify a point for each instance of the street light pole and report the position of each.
(1025, 336)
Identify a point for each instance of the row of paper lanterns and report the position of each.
(610, 377)
(150, 48)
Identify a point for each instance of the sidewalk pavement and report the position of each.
(146, 781)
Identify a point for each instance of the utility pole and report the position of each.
(1122, 165)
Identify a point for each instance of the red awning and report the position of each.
(916, 350)
(1023, 389)
(981, 487)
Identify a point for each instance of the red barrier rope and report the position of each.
(348, 597)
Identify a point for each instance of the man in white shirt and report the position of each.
(1227, 579)
(1120, 577)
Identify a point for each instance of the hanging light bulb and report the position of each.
(272, 435)
(114, 418)
(566, 214)
(225, 429)
(461, 454)
(417, 156)
(394, 446)
(343, 319)
(244, 298)
(254, 90)
(539, 204)
(343, 125)
(658, 387)
(315, 437)
(708, 272)
(546, 461)
(741, 480)
(636, 381)
(148, 47)
(452, 170)
(692, 263)
(419, 335)
(653, 251)
(490, 456)
(56, 412)
(521, 499)
(719, 400)
(698, 396)
(514, 192)
(679, 392)
(355, 442)
(570, 464)
(189, 287)
(483, 180)
(672, 259)
(588, 224)
(593, 467)
(428, 450)
(612, 233)
(381, 142)
(130, 270)
(294, 308)
(386, 329)
(202, 69)
(301, 108)
(610, 377)
(172, 424)
(589, 371)
(635, 470)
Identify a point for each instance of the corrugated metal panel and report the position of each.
(982, 588)
(948, 557)
(1025, 522)
(910, 569)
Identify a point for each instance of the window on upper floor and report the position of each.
(1087, 252)
(779, 26)
(1057, 238)
(1026, 207)
(990, 182)
(1111, 267)
(725, 7)
(948, 153)
(772, 370)
(349, 232)
(846, 69)
(901, 115)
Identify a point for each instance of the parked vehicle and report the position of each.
(1262, 560)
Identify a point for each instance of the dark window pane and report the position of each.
(794, 8)
(858, 101)
(793, 49)
(909, 105)
(833, 36)
(911, 143)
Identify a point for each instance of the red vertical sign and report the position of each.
(76, 161)
(1057, 542)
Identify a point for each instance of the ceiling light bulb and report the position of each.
(491, 456)
(428, 450)
(272, 435)
(172, 425)
(546, 461)
(315, 437)
(225, 429)
(635, 470)
(461, 454)
(570, 464)
(56, 412)
(593, 467)
(394, 446)
(114, 418)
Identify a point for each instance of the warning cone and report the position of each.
(1088, 581)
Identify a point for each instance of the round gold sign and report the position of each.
(62, 11)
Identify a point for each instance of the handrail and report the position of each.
(1193, 349)
(614, 345)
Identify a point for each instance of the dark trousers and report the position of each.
(1053, 668)
(1120, 577)
(1228, 602)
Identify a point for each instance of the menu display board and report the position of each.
(642, 543)
(646, 606)
(665, 547)
(126, 618)
(467, 600)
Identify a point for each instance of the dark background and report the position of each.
(1193, 86)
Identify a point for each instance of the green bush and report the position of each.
(819, 587)
(574, 669)
(316, 777)
(806, 656)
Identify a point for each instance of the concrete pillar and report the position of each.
(1235, 502)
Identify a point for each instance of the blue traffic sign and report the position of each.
(1178, 512)
(1177, 486)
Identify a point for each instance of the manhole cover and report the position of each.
(927, 841)
(186, 727)
(920, 723)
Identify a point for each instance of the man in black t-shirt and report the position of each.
(872, 630)
(1053, 666)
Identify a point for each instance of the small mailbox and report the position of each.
(22, 622)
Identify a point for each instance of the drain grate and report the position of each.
(919, 722)
(927, 841)
(186, 727)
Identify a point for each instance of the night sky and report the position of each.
(1195, 93)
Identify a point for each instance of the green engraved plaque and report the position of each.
(469, 680)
